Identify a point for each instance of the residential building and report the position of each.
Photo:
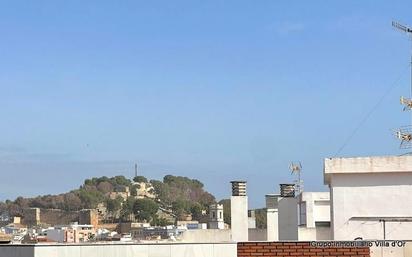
(73, 233)
(216, 220)
(371, 197)
(302, 217)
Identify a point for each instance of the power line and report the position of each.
(368, 114)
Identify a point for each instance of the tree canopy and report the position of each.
(179, 194)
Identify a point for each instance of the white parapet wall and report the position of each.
(120, 250)
(206, 236)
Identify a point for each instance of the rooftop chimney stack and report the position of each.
(239, 212)
(272, 217)
(287, 190)
(287, 213)
(238, 188)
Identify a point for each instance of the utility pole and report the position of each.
(405, 133)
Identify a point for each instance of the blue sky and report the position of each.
(214, 90)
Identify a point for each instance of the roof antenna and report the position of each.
(296, 168)
(405, 133)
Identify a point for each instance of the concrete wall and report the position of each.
(121, 250)
(16, 251)
(272, 217)
(193, 250)
(257, 234)
(312, 234)
(56, 235)
(392, 251)
(206, 236)
(288, 218)
(375, 164)
(321, 211)
(272, 224)
(360, 201)
(314, 207)
(239, 218)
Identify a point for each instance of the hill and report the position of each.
(120, 199)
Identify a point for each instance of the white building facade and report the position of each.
(314, 216)
(371, 197)
(305, 217)
(216, 220)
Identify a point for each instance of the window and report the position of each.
(322, 223)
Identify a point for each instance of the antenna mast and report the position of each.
(405, 133)
(135, 170)
(297, 168)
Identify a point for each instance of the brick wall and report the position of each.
(297, 249)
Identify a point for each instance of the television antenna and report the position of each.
(405, 133)
(407, 103)
(296, 168)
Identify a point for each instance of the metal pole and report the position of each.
(411, 76)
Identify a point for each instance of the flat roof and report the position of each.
(370, 164)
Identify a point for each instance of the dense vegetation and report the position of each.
(261, 218)
(181, 195)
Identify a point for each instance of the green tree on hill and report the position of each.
(261, 218)
(90, 198)
(114, 205)
(156, 221)
(140, 179)
(127, 208)
(226, 210)
(180, 194)
(145, 209)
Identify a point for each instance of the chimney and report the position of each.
(272, 217)
(239, 212)
(288, 213)
(287, 190)
(238, 188)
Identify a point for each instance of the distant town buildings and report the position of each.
(369, 199)
(72, 233)
(216, 220)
